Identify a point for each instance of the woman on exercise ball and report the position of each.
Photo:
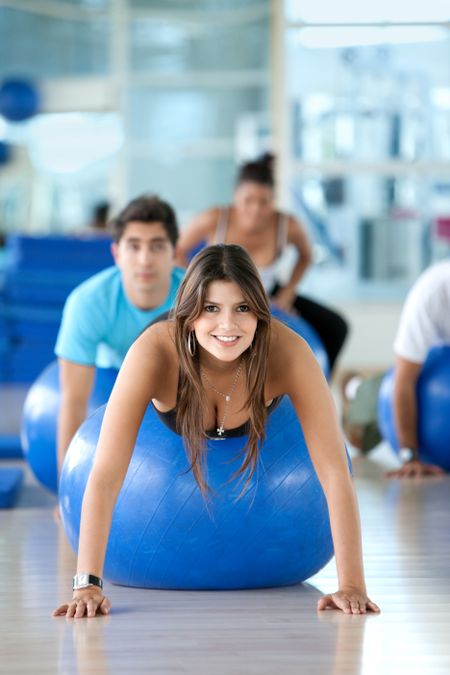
(254, 222)
(216, 370)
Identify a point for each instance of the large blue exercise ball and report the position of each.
(19, 100)
(165, 535)
(308, 333)
(40, 416)
(433, 408)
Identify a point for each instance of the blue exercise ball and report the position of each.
(308, 333)
(40, 415)
(165, 535)
(433, 407)
(19, 100)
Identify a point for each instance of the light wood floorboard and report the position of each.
(278, 632)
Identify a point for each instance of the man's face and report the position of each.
(145, 256)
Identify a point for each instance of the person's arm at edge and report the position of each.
(317, 415)
(406, 375)
(76, 382)
(298, 237)
(200, 228)
(136, 385)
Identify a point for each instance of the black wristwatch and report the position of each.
(84, 580)
(407, 455)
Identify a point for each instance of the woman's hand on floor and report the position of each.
(349, 602)
(87, 602)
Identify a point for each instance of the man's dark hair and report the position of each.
(146, 209)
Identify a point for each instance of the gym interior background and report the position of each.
(170, 95)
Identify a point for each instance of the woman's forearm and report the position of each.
(346, 532)
(297, 273)
(96, 515)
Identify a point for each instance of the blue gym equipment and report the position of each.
(165, 534)
(307, 332)
(19, 100)
(40, 415)
(10, 483)
(433, 407)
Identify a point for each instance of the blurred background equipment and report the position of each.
(19, 100)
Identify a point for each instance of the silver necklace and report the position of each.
(220, 429)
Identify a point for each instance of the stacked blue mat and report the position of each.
(10, 484)
(38, 275)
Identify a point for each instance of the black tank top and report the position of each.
(169, 419)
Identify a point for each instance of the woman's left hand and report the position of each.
(348, 601)
(284, 299)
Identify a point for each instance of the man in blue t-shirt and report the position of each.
(104, 315)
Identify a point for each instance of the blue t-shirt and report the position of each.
(100, 324)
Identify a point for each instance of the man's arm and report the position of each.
(405, 405)
(76, 382)
(406, 419)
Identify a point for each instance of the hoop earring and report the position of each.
(191, 345)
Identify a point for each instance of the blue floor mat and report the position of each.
(10, 484)
(10, 447)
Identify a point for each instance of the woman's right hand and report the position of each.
(85, 602)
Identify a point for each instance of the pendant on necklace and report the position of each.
(227, 398)
(220, 430)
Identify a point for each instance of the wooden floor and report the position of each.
(278, 632)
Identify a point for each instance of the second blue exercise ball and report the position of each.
(308, 333)
(40, 417)
(433, 408)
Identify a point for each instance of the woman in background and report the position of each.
(253, 222)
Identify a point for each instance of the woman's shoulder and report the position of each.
(158, 339)
(286, 345)
(291, 361)
(151, 365)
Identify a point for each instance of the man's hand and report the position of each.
(415, 469)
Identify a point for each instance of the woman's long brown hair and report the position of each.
(223, 262)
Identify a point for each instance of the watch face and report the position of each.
(406, 454)
(83, 579)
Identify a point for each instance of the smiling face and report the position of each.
(144, 255)
(226, 327)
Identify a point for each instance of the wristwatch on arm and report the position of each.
(408, 455)
(84, 580)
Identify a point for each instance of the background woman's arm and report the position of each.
(298, 237)
(200, 228)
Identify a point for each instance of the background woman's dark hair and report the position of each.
(146, 209)
(259, 171)
(223, 262)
